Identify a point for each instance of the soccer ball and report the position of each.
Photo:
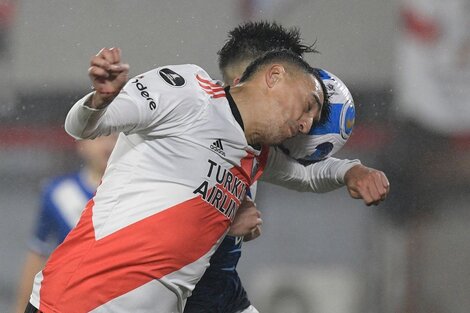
(325, 140)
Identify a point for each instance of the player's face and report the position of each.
(298, 105)
(95, 153)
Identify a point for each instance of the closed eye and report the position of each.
(316, 104)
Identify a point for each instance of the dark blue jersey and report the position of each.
(62, 202)
(228, 254)
(220, 289)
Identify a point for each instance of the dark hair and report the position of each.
(250, 40)
(272, 56)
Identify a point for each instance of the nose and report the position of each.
(305, 124)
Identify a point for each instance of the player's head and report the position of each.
(291, 61)
(251, 40)
(95, 153)
(324, 140)
(283, 96)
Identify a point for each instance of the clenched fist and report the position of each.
(108, 76)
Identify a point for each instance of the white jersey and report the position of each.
(174, 181)
(319, 177)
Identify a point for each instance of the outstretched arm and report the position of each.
(323, 176)
(362, 182)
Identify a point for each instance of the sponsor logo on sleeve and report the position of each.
(172, 78)
(144, 93)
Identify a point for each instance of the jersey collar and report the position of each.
(233, 107)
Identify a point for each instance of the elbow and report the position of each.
(75, 132)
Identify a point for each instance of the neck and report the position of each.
(246, 100)
(92, 177)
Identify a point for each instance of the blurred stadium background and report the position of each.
(319, 253)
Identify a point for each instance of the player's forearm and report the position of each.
(82, 121)
(320, 177)
(85, 122)
(328, 175)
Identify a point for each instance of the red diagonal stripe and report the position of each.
(214, 94)
(129, 258)
(84, 273)
(208, 82)
(215, 89)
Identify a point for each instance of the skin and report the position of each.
(247, 222)
(289, 108)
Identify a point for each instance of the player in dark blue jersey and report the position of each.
(220, 289)
(61, 204)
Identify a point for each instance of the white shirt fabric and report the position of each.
(173, 184)
(178, 172)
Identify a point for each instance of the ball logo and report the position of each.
(172, 78)
(348, 117)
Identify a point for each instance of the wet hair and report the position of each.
(282, 56)
(250, 40)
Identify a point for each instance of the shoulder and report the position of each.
(170, 82)
(170, 77)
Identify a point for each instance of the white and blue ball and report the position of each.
(325, 140)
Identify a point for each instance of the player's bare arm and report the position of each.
(108, 76)
(366, 183)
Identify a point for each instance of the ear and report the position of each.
(235, 81)
(274, 74)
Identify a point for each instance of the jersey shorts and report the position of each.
(178, 172)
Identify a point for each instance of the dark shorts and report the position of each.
(31, 309)
(218, 292)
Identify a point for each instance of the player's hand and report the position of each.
(247, 222)
(368, 184)
(108, 76)
(254, 233)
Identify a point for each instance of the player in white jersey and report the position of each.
(187, 152)
(61, 203)
(220, 289)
